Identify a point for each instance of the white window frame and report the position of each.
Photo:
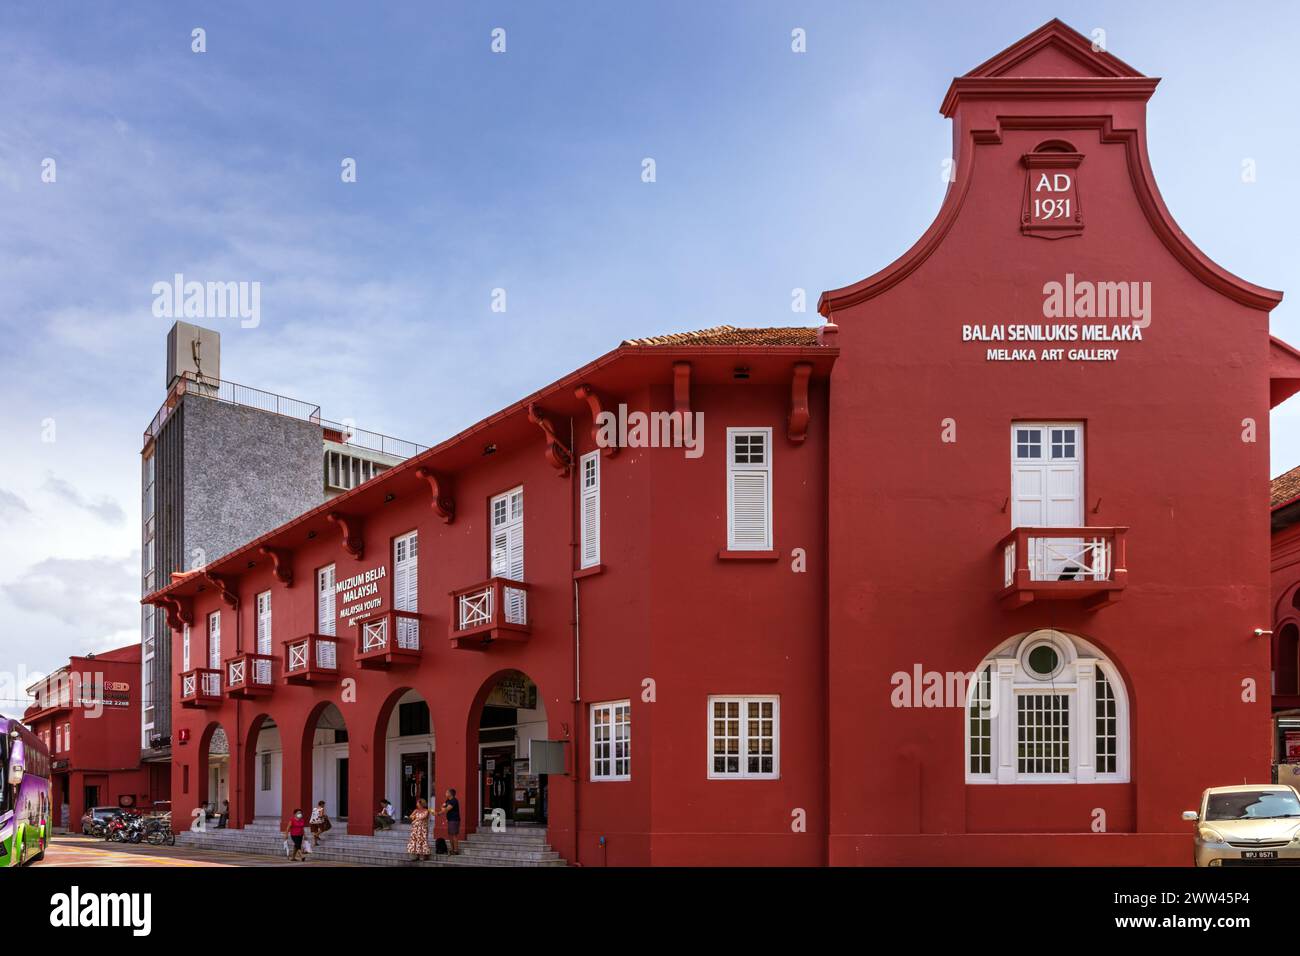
(734, 469)
(1010, 679)
(744, 701)
(185, 647)
(589, 494)
(610, 707)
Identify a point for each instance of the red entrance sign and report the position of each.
(1051, 207)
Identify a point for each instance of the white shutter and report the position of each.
(214, 640)
(325, 617)
(590, 509)
(264, 623)
(185, 648)
(749, 489)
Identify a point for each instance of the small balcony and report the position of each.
(392, 637)
(1087, 565)
(494, 610)
(250, 675)
(311, 659)
(201, 687)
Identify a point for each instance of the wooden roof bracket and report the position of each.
(350, 527)
(797, 426)
(588, 394)
(444, 506)
(556, 452)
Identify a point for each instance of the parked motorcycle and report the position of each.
(158, 831)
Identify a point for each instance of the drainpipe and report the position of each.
(577, 641)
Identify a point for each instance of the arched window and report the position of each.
(1046, 707)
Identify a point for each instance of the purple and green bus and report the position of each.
(24, 794)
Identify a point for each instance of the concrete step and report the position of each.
(345, 848)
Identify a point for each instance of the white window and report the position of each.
(266, 769)
(406, 563)
(325, 618)
(589, 514)
(185, 647)
(1046, 707)
(611, 741)
(214, 640)
(749, 489)
(744, 737)
(58, 739)
(507, 511)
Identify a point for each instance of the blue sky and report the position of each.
(478, 171)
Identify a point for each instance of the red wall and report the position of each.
(663, 608)
(914, 520)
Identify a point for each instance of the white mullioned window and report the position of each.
(589, 511)
(325, 617)
(745, 738)
(611, 740)
(1047, 707)
(185, 647)
(749, 489)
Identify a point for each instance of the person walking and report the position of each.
(319, 823)
(451, 809)
(294, 831)
(418, 844)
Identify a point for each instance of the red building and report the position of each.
(1284, 503)
(957, 578)
(88, 714)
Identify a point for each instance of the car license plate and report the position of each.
(1259, 854)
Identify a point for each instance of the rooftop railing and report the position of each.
(235, 394)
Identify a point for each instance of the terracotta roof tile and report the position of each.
(1285, 488)
(730, 335)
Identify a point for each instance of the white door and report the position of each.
(1047, 492)
(263, 669)
(325, 601)
(214, 640)
(508, 549)
(406, 554)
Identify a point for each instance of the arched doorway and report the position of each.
(510, 713)
(263, 770)
(214, 769)
(404, 751)
(1285, 667)
(326, 760)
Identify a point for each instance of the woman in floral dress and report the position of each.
(418, 845)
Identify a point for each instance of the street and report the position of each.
(69, 850)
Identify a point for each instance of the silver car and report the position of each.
(1255, 825)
